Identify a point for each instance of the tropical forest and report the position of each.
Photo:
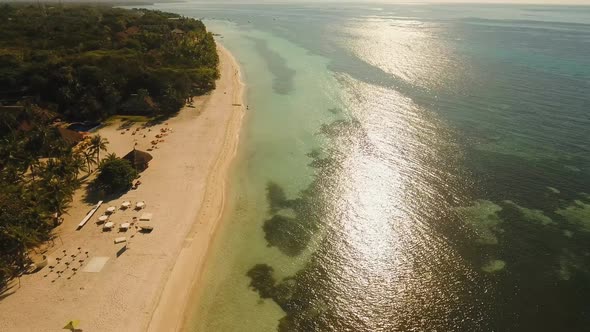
(72, 63)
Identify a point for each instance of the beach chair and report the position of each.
(120, 239)
(102, 219)
(146, 228)
(108, 226)
(146, 217)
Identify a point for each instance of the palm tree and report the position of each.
(88, 156)
(34, 167)
(58, 183)
(59, 194)
(111, 157)
(97, 144)
(77, 164)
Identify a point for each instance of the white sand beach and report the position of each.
(146, 287)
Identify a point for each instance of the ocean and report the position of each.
(404, 168)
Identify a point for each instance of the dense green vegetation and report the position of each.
(115, 174)
(39, 172)
(81, 63)
(91, 62)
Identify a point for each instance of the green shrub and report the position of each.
(115, 174)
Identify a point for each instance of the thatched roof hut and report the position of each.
(69, 136)
(138, 159)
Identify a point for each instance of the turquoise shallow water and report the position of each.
(405, 168)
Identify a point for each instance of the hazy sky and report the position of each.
(554, 2)
(587, 2)
(581, 2)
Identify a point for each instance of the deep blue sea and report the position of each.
(405, 168)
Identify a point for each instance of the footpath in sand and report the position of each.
(183, 188)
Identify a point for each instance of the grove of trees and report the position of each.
(39, 173)
(90, 62)
(77, 62)
(115, 174)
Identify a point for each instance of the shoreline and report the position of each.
(141, 283)
(183, 279)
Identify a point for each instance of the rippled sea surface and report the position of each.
(405, 168)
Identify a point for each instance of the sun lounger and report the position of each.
(146, 228)
(108, 226)
(146, 217)
(125, 226)
(120, 239)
